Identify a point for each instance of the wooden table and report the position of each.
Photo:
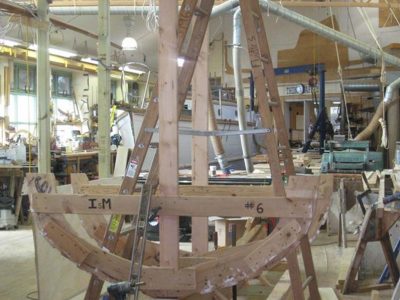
(14, 177)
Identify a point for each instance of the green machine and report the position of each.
(350, 157)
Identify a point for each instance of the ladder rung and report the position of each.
(254, 14)
(200, 12)
(307, 282)
(264, 59)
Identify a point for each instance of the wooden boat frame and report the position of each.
(301, 206)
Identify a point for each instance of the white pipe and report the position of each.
(239, 95)
(391, 88)
(387, 100)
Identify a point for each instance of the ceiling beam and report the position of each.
(30, 19)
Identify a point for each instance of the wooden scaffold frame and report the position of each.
(301, 206)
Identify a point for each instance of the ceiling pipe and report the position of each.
(239, 94)
(93, 10)
(218, 10)
(267, 5)
(361, 87)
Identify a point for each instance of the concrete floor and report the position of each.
(18, 278)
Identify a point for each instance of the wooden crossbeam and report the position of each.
(199, 206)
(234, 190)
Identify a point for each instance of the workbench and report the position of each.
(11, 178)
(64, 164)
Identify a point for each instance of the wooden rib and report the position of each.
(199, 206)
(110, 267)
(94, 225)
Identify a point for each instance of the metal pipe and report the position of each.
(361, 87)
(217, 11)
(216, 141)
(329, 33)
(93, 10)
(390, 91)
(43, 90)
(322, 124)
(267, 5)
(239, 95)
(387, 100)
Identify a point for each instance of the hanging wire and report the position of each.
(340, 73)
(152, 19)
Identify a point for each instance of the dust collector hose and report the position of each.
(387, 101)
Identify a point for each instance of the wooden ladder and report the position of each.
(271, 112)
(200, 14)
(264, 74)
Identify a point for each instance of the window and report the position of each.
(22, 118)
(23, 83)
(62, 84)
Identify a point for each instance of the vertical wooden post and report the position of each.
(104, 86)
(295, 276)
(168, 120)
(309, 268)
(200, 94)
(43, 89)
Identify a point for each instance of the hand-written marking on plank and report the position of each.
(99, 204)
(250, 205)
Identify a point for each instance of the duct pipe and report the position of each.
(93, 10)
(239, 95)
(266, 5)
(361, 87)
(216, 141)
(327, 32)
(217, 11)
(387, 101)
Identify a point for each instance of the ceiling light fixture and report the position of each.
(180, 61)
(131, 70)
(89, 60)
(129, 43)
(55, 51)
(9, 43)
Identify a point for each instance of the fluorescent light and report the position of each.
(336, 102)
(62, 53)
(131, 70)
(89, 60)
(9, 43)
(129, 44)
(180, 61)
(55, 51)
